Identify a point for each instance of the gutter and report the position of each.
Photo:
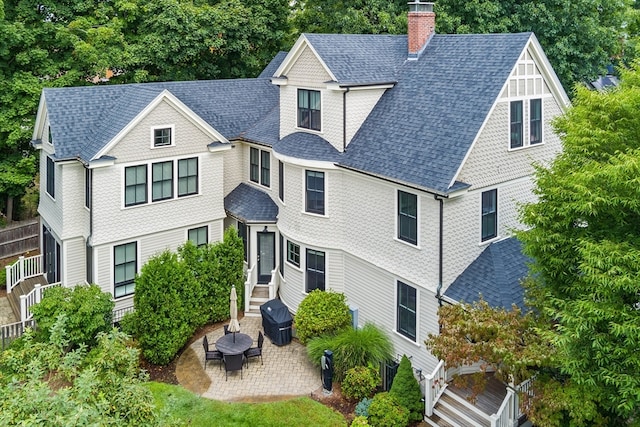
(440, 245)
(344, 119)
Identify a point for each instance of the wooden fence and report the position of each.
(19, 237)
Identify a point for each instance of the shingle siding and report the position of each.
(76, 216)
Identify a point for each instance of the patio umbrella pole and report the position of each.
(234, 326)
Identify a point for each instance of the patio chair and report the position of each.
(210, 354)
(232, 362)
(226, 330)
(255, 351)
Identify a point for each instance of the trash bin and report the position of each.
(276, 321)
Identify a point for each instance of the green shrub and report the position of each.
(88, 311)
(166, 307)
(386, 411)
(217, 268)
(362, 408)
(352, 347)
(359, 421)
(321, 313)
(406, 389)
(360, 382)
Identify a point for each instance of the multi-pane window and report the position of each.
(187, 176)
(254, 164)
(408, 217)
(516, 124)
(135, 185)
(535, 121)
(242, 233)
(265, 168)
(198, 235)
(124, 269)
(315, 270)
(281, 180)
(87, 188)
(281, 254)
(489, 214)
(51, 177)
(162, 181)
(407, 303)
(309, 109)
(293, 253)
(260, 166)
(314, 194)
(161, 137)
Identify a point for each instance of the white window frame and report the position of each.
(171, 127)
(497, 216)
(397, 219)
(396, 282)
(526, 122)
(325, 193)
(313, 89)
(113, 268)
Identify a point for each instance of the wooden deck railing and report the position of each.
(506, 414)
(436, 382)
(23, 269)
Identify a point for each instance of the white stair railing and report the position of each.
(23, 268)
(436, 382)
(32, 298)
(249, 284)
(274, 283)
(506, 414)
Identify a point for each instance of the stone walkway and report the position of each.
(286, 371)
(6, 314)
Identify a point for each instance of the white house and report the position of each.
(389, 168)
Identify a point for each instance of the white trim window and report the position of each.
(315, 270)
(407, 217)
(293, 253)
(125, 266)
(187, 176)
(162, 136)
(260, 166)
(162, 181)
(198, 236)
(135, 185)
(406, 309)
(314, 192)
(51, 178)
(309, 110)
(489, 216)
(518, 134)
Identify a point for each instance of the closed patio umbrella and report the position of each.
(234, 326)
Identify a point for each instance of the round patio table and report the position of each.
(227, 344)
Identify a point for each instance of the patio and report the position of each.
(286, 371)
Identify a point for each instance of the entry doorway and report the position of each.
(266, 255)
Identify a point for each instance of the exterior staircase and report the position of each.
(259, 296)
(24, 287)
(452, 410)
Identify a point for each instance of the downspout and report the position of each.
(440, 257)
(344, 119)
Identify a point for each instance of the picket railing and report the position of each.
(32, 298)
(23, 269)
(249, 284)
(436, 382)
(506, 414)
(12, 331)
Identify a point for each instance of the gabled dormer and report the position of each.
(330, 83)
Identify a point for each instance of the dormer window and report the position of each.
(309, 109)
(162, 136)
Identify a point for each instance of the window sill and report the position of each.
(315, 214)
(409, 244)
(316, 132)
(488, 241)
(122, 298)
(524, 147)
(406, 339)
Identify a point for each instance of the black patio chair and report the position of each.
(255, 351)
(232, 362)
(210, 354)
(226, 330)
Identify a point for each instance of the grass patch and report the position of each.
(187, 408)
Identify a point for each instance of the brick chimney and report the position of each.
(421, 25)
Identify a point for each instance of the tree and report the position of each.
(506, 341)
(406, 389)
(580, 37)
(585, 239)
(353, 17)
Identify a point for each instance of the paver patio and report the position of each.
(286, 370)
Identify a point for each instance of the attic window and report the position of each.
(309, 109)
(162, 136)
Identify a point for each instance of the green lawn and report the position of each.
(189, 409)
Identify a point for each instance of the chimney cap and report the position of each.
(420, 6)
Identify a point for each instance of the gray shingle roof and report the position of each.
(307, 146)
(84, 119)
(420, 131)
(361, 58)
(273, 65)
(249, 204)
(496, 275)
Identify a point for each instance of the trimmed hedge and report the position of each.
(321, 313)
(386, 411)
